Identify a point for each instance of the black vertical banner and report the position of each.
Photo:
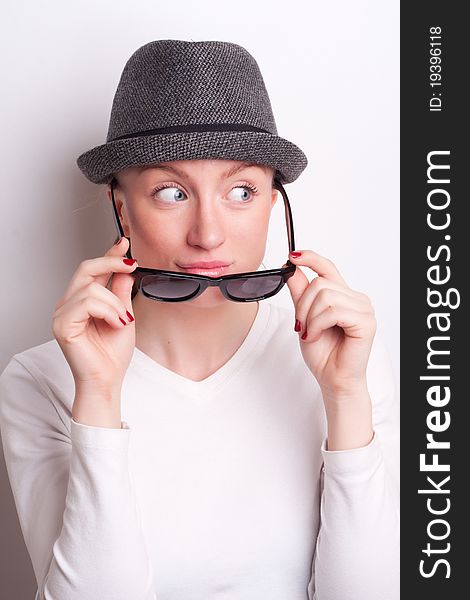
(435, 268)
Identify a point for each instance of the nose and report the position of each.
(206, 228)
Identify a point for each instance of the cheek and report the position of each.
(151, 238)
(154, 232)
(249, 241)
(255, 230)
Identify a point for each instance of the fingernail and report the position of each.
(297, 325)
(122, 321)
(129, 316)
(129, 261)
(118, 242)
(304, 335)
(296, 254)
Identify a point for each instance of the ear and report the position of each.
(274, 194)
(120, 207)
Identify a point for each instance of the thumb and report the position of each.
(297, 284)
(121, 287)
(119, 249)
(121, 283)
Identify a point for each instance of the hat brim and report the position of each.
(100, 163)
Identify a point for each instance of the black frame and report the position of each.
(205, 281)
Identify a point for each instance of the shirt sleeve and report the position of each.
(74, 495)
(358, 547)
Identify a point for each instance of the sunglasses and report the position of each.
(173, 286)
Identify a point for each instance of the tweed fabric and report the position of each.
(191, 86)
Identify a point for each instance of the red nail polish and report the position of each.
(296, 254)
(297, 325)
(129, 261)
(304, 335)
(129, 316)
(122, 321)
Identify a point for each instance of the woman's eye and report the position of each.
(169, 194)
(242, 193)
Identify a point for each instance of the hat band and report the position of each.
(193, 128)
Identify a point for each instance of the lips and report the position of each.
(212, 268)
(213, 264)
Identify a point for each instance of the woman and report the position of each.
(244, 468)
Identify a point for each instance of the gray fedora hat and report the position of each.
(185, 100)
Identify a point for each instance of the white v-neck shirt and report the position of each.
(213, 489)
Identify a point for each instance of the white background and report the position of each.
(332, 72)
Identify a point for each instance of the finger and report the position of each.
(121, 287)
(320, 264)
(297, 284)
(354, 323)
(119, 249)
(71, 322)
(95, 290)
(95, 269)
(322, 293)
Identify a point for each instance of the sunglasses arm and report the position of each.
(289, 221)
(117, 221)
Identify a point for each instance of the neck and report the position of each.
(191, 339)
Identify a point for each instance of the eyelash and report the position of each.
(251, 187)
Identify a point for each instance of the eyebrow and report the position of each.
(229, 173)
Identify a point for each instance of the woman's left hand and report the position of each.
(337, 326)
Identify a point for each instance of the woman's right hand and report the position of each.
(92, 324)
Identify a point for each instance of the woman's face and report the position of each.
(183, 212)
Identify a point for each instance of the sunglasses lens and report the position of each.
(254, 287)
(164, 287)
(168, 288)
